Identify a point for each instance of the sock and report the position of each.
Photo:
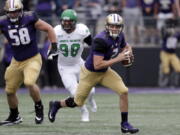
(124, 116)
(38, 103)
(14, 111)
(57, 104)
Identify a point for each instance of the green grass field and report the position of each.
(153, 114)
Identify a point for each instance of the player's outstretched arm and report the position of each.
(43, 26)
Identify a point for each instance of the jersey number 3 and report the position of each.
(20, 36)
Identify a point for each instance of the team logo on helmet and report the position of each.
(68, 20)
(14, 9)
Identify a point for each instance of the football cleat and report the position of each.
(84, 114)
(11, 120)
(93, 105)
(52, 111)
(128, 128)
(39, 114)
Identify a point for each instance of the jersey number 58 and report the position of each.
(20, 36)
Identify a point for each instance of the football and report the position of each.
(128, 62)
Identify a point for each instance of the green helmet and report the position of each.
(68, 20)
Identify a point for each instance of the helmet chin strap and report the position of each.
(113, 35)
(14, 20)
(70, 30)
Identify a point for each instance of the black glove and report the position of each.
(53, 51)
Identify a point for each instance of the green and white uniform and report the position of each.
(70, 48)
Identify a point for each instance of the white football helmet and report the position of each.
(14, 9)
(114, 25)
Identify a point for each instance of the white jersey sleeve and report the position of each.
(84, 30)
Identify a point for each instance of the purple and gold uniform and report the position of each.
(103, 45)
(168, 55)
(20, 36)
(26, 62)
(108, 48)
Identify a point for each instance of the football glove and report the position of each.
(53, 51)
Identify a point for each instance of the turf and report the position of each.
(153, 114)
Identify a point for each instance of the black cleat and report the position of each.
(11, 120)
(52, 111)
(39, 114)
(128, 128)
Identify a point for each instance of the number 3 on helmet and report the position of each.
(14, 9)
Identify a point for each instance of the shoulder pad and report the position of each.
(83, 29)
(28, 13)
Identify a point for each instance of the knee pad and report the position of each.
(10, 90)
(125, 91)
(28, 83)
(70, 102)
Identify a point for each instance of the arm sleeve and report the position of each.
(178, 36)
(88, 40)
(35, 17)
(123, 41)
(100, 46)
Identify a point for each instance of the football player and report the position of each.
(109, 47)
(71, 40)
(168, 56)
(20, 28)
(164, 9)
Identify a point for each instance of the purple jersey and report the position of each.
(106, 46)
(165, 6)
(169, 43)
(21, 36)
(7, 53)
(150, 4)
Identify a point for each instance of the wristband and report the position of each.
(54, 46)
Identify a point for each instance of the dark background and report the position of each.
(143, 72)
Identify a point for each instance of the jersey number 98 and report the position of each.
(73, 49)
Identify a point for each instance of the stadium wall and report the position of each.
(145, 69)
(143, 72)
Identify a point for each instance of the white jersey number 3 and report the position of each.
(20, 36)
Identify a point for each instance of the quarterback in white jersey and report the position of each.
(71, 40)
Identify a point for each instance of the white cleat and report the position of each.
(93, 105)
(85, 116)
